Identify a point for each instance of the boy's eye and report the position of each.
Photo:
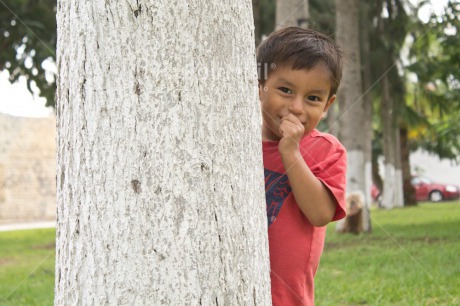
(314, 98)
(285, 90)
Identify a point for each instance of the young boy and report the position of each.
(300, 71)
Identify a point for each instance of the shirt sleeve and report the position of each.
(328, 162)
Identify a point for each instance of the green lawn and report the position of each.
(27, 267)
(411, 258)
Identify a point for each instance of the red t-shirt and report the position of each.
(296, 245)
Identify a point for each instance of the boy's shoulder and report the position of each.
(327, 139)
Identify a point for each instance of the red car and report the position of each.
(427, 190)
(375, 194)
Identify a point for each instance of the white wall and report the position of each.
(441, 171)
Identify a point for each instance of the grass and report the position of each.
(411, 258)
(27, 267)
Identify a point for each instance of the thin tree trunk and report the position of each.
(387, 115)
(367, 110)
(350, 95)
(332, 120)
(159, 179)
(256, 14)
(399, 195)
(292, 13)
(389, 196)
(409, 191)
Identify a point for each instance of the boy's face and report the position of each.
(303, 93)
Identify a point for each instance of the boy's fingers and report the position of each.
(288, 128)
(287, 125)
(290, 117)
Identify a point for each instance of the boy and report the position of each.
(304, 169)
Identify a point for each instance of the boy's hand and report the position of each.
(291, 130)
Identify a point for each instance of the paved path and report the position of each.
(26, 226)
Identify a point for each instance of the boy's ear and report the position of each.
(260, 90)
(328, 104)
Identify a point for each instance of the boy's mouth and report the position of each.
(303, 122)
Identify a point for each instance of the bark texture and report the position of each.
(159, 178)
(292, 13)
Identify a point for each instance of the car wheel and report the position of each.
(435, 196)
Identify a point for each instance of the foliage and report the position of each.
(267, 16)
(27, 267)
(28, 38)
(408, 260)
(387, 38)
(322, 15)
(436, 96)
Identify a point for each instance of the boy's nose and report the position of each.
(296, 106)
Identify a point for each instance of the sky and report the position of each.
(16, 100)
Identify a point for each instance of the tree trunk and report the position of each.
(331, 119)
(392, 190)
(389, 187)
(367, 110)
(256, 15)
(292, 13)
(409, 191)
(160, 184)
(350, 95)
(399, 195)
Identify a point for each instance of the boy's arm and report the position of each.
(314, 199)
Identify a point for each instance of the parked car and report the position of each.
(426, 189)
(375, 193)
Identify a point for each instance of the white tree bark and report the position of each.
(367, 110)
(393, 195)
(160, 184)
(389, 186)
(389, 150)
(292, 13)
(350, 97)
(399, 186)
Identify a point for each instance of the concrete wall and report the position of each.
(439, 170)
(27, 168)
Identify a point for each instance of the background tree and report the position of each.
(292, 13)
(350, 97)
(365, 16)
(160, 184)
(434, 102)
(27, 39)
(322, 18)
(256, 14)
(267, 16)
(390, 33)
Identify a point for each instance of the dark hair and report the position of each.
(301, 49)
